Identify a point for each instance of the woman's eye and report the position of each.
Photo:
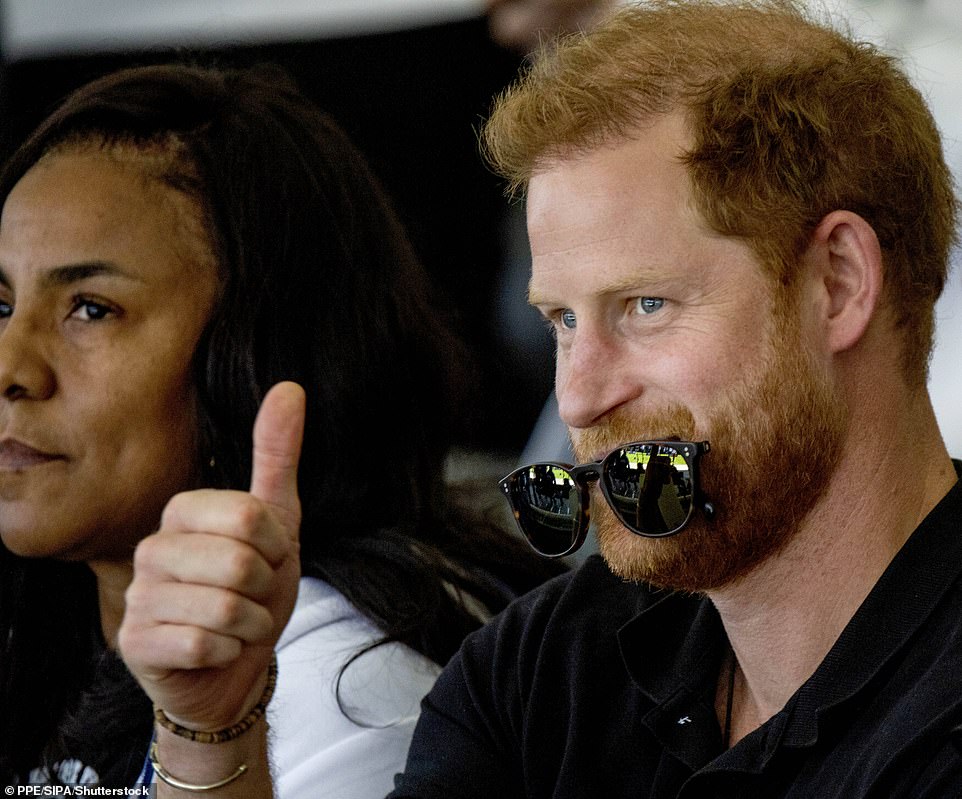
(648, 305)
(568, 319)
(6, 310)
(91, 311)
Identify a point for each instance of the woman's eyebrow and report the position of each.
(72, 273)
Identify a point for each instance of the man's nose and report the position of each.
(595, 375)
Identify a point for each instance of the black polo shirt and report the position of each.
(592, 687)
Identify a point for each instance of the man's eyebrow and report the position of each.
(534, 298)
(72, 273)
(640, 281)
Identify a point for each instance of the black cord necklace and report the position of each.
(727, 731)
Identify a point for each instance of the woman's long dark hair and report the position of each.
(318, 285)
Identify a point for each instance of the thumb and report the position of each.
(278, 433)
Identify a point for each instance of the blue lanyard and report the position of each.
(147, 772)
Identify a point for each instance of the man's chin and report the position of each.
(688, 561)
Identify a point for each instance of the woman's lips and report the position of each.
(16, 456)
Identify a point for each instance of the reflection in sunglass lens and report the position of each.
(545, 497)
(650, 487)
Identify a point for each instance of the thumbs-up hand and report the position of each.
(215, 586)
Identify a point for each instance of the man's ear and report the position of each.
(846, 260)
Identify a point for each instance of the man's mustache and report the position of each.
(621, 427)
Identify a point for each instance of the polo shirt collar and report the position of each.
(673, 648)
(906, 594)
(672, 651)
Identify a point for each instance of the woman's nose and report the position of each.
(25, 372)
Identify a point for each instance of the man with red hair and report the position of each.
(740, 221)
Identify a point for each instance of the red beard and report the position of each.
(775, 442)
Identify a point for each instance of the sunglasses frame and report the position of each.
(585, 473)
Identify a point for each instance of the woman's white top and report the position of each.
(318, 750)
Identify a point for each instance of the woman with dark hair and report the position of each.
(174, 242)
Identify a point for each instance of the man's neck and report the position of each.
(783, 618)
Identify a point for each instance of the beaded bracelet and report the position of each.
(228, 733)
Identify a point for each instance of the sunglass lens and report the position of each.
(545, 501)
(649, 487)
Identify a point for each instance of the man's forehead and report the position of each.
(603, 181)
(627, 203)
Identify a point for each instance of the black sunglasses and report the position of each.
(650, 485)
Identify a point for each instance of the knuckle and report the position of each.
(131, 644)
(247, 515)
(196, 648)
(174, 509)
(239, 566)
(136, 597)
(227, 610)
(147, 552)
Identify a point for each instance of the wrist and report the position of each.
(184, 767)
(233, 730)
(217, 762)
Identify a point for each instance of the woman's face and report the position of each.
(106, 282)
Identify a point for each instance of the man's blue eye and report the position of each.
(568, 319)
(6, 310)
(648, 305)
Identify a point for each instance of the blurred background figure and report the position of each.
(522, 25)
